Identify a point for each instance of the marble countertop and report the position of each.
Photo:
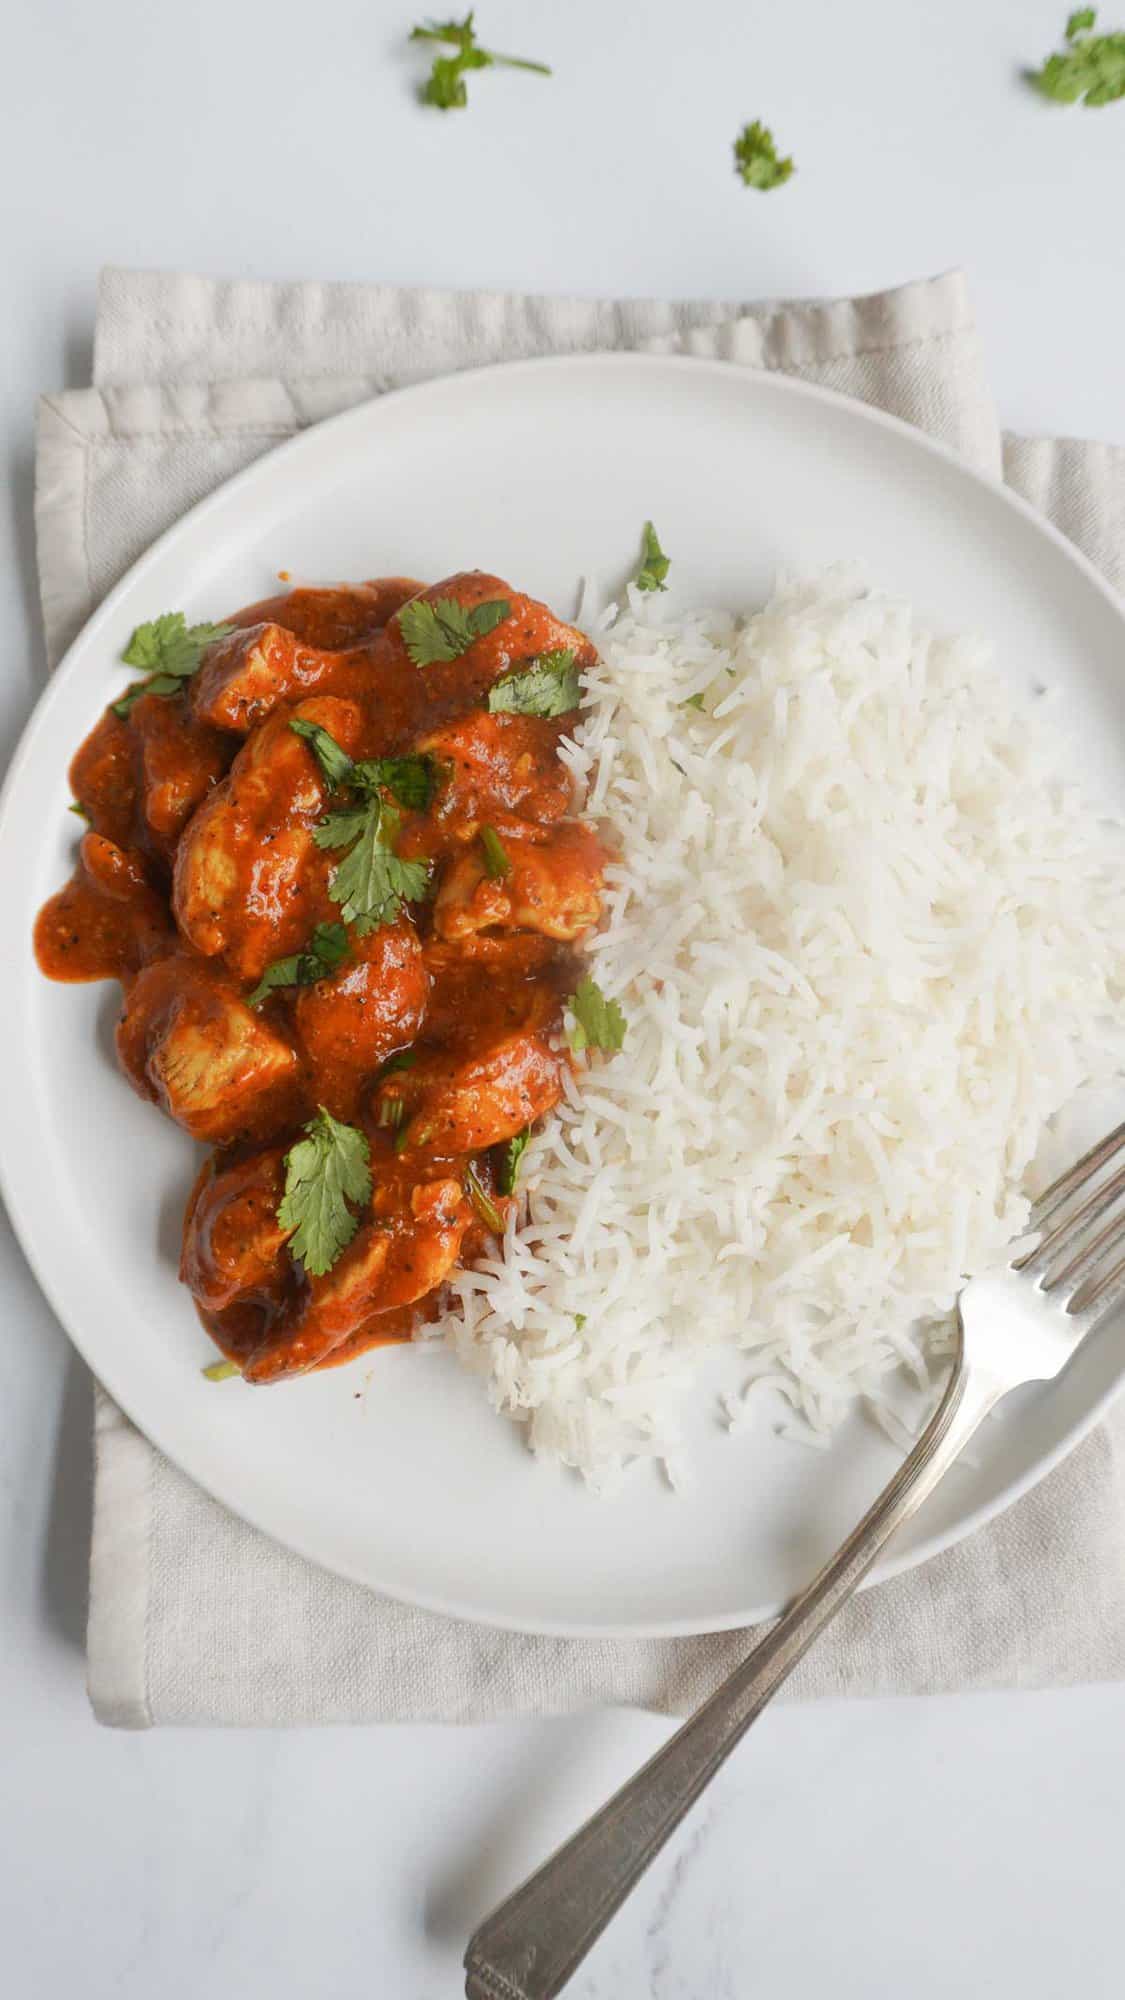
(952, 1847)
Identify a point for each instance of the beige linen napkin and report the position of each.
(195, 1617)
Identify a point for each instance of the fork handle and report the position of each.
(529, 1947)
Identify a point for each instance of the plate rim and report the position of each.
(318, 434)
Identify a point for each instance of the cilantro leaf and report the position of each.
(326, 949)
(440, 629)
(339, 829)
(410, 780)
(371, 884)
(654, 563)
(483, 1203)
(598, 1023)
(167, 650)
(1091, 70)
(547, 685)
(404, 1059)
(496, 862)
(756, 158)
(694, 701)
(79, 809)
(445, 85)
(510, 1161)
(444, 88)
(334, 762)
(323, 1173)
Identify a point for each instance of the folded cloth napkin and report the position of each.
(195, 1617)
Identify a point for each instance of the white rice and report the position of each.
(867, 943)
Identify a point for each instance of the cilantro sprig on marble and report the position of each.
(325, 1173)
(370, 883)
(757, 160)
(1090, 70)
(445, 86)
(167, 651)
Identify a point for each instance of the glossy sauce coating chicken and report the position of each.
(341, 883)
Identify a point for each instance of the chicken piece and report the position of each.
(373, 1004)
(492, 765)
(103, 778)
(186, 1041)
(234, 1246)
(551, 886)
(257, 668)
(334, 615)
(250, 882)
(106, 922)
(409, 1245)
(492, 983)
(529, 628)
(179, 759)
(455, 1104)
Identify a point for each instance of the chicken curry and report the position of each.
(332, 859)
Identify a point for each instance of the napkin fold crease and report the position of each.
(197, 1618)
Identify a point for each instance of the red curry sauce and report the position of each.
(199, 870)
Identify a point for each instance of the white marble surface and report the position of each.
(950, 1847)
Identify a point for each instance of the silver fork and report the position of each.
(1021, 1325)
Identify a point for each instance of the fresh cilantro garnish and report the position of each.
(326, 949)
(323, 1173)
(1091, 70)
(441, 629)
(339, 829)
(167, 651)
(410, 780)
(370, 884)
(445, 85)
(496, 862)
(654, 563)
(547, 685)
(694, 701)
(756, 158)
(334, 761)
(407, 1136)
(405, 1059)
(510, 1161)
(79, 809)
(579, 1321)
(220, 1371)
(483, 1203)
(597, 1023)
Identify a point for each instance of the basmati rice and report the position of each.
(867, 942)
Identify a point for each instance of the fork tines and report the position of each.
(1073, 1255)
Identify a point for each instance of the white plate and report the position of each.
(394, 1471)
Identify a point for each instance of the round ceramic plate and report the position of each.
(394, 1471)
